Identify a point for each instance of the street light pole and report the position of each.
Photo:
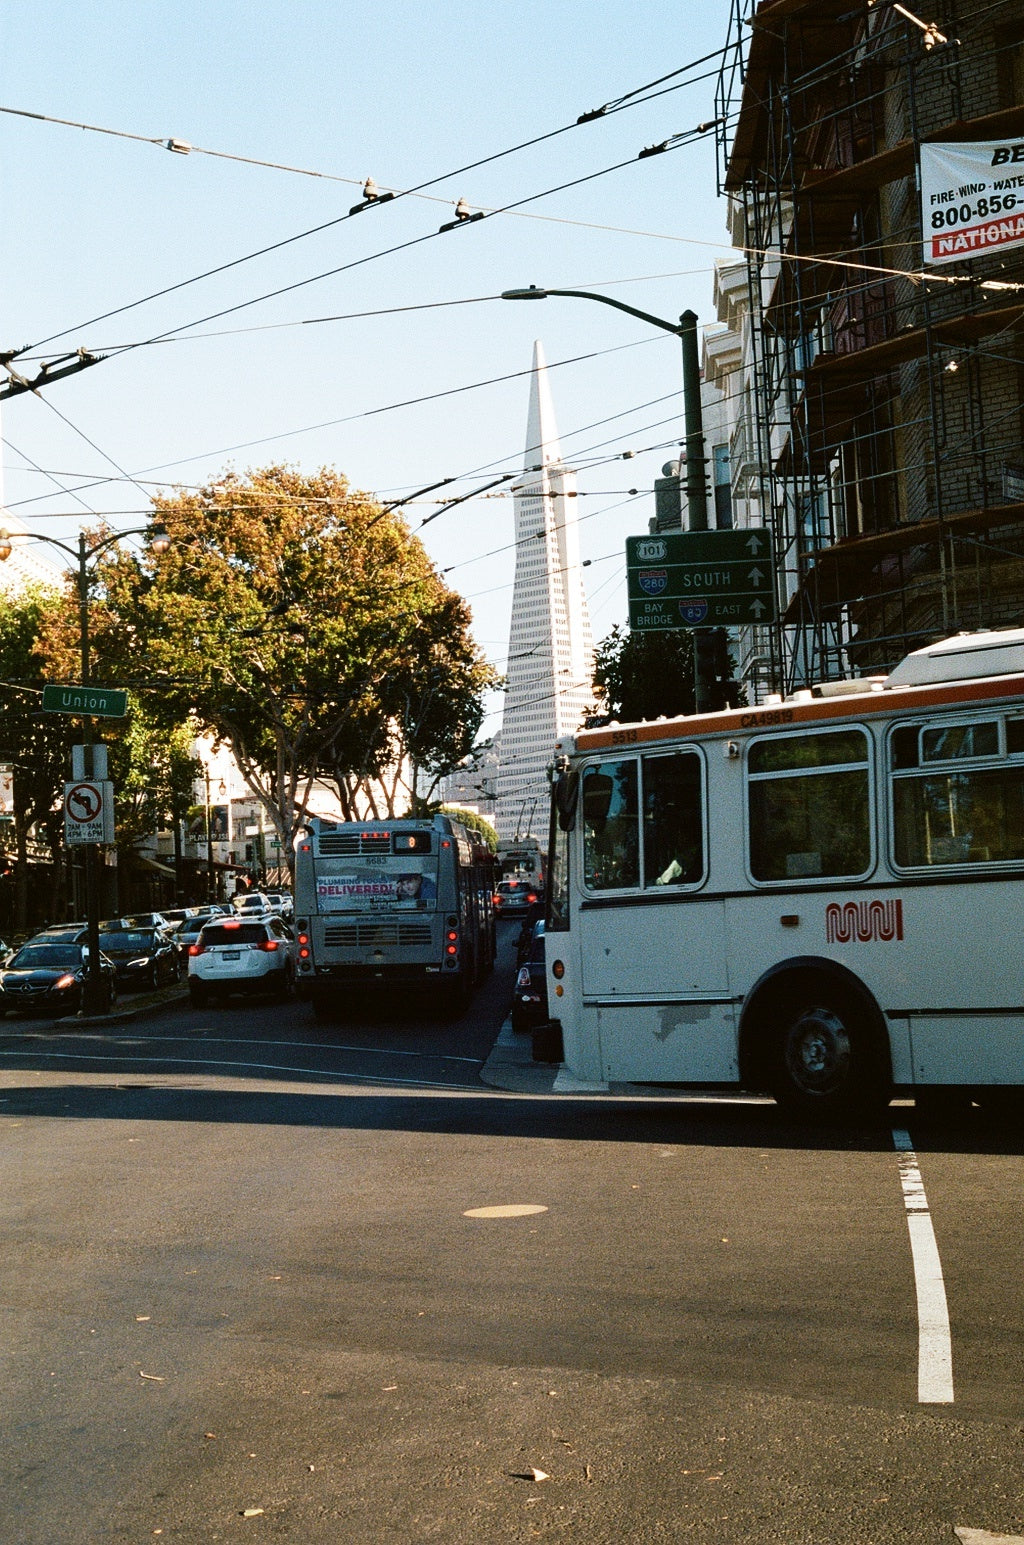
(159, 541)
(696, 482)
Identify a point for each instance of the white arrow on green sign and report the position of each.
(97, 702)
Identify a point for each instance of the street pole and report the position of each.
(704, 696)
(696, 483)
(211, 873)
(92, 990)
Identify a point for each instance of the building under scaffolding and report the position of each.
(878, 403)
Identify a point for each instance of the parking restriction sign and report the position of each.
(88, 811)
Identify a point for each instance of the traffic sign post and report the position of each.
(700, 579)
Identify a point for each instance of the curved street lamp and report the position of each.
(685, 330)
(159, 542)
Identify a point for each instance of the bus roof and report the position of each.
(971, 667)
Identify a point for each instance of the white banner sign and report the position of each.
(972, 199)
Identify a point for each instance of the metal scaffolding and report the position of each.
(886, 398)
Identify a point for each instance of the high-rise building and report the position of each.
(550, 651)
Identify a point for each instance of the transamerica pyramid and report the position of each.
(549, 672)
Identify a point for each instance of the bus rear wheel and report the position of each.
(823, 1062)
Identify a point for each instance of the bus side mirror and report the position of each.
(567, 792)
(597, 799)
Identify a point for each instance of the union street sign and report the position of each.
(700, 579)
(99, 702)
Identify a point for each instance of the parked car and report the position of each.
(175, 916)
(135, 920)
(513, 898)
(48, 973)
(240, 954)
(530, 998)
(187, 934)
(143, 957)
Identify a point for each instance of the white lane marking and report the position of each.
(986, 1537)
(934, 1348)
(237, 1040)
(262, 1067)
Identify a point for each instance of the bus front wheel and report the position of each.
(823, 1061)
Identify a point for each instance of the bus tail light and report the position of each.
(303, 943)
(558, 969)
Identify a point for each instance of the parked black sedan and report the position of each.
(143, 957)
(530, 998)
(47, 974)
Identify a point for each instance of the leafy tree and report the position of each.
(644, 675)
(305, 627)
(37, 745)
(475, 822)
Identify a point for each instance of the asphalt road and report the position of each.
(241, 1272)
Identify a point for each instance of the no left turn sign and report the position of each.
(89, 811)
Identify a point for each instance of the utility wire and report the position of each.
(630, 99)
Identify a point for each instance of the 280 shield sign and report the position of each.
(700, 579)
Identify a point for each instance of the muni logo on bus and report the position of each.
(863, 921)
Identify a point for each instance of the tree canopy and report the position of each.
(303, 625)
(644, 675)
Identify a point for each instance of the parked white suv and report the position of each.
(240, 954)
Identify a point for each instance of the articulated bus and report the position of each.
(391, 903)
(821, 898)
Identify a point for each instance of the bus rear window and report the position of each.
(808, 807)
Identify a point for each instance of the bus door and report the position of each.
(652, 945)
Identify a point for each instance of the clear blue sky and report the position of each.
(406, 93)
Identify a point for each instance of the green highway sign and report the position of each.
(98, 702)
(700, 579)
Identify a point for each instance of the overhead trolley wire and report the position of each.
(629, 99)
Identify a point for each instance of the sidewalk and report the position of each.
(511, 1066)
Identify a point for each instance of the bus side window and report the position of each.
(673, 820)
(808, 806)
(611, 842)
(963, 814)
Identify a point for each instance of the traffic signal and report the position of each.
(668, 499)
(712, 668)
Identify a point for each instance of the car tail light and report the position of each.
(195, 949)
(531, 898)
(523, 979)
(270, 945)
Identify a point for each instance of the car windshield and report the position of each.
(47, 957)
(242, 933)
(132, 939)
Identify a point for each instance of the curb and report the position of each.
(511, 1065)
(146, 1003)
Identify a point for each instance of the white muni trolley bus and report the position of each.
(391, 903)
(822, 898)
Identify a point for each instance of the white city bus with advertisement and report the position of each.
(821, 898)
(391, 903)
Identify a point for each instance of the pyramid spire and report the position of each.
(542, 447)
